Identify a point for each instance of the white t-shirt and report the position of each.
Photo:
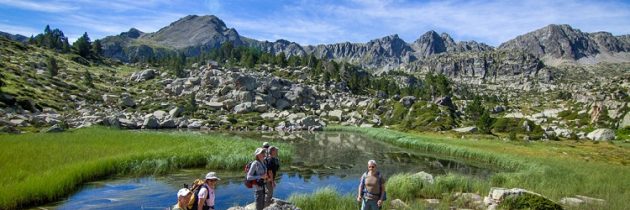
(203, 193)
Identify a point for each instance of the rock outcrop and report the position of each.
(602, 134)
(276, 204)
(565, 42)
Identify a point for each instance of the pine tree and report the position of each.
(32, 40)
(191, 106)
(248, 60)
(484, 124)
(280, 60)
(88, 80)
(475, 109)
(312, 61)
(1, 82)
(442, 85)
(97, 48)
(179, 64)
(294, 61)
(83, 46)
(53, 69)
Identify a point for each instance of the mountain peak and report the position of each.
(132, 33)
(561, 41)
(193, 30)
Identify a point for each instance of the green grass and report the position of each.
(324, 198)
(38, 168)
(553, 169)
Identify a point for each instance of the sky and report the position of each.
(320, 21)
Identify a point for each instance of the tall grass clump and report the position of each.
(324, 198)
(553, 169)
(38, 168)
(405, 186)
(408, 186)
(434, 146)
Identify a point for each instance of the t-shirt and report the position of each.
(256, 170)
(202, 194)
(273, 164)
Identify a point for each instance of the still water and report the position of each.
(321, 159)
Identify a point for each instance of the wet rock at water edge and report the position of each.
(276, 204)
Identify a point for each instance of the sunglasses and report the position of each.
(371, 166)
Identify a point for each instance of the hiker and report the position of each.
(266, 147)
(273, 164)
(183, 197)
(206, 195)
(371, 188)
(258, 171)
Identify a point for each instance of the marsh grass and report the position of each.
(37, 168)
(324, 198)
(553, 169)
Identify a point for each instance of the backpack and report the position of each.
(248, 183)
(380, 182)
(196, 190)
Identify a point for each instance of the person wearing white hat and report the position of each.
(183, 197)
(258, 171)
(266, 146)
(206, 193)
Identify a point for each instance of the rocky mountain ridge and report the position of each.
(14, 37)
(194, 34)
(566, 43)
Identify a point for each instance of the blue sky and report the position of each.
(320, 22)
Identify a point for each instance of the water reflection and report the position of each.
(321, 159)
(346, 154)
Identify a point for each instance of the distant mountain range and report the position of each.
(193, 34)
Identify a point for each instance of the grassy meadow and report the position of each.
(38, 168)
(555, 169)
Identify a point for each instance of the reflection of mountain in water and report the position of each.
(346, 154)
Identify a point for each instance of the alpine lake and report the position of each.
(321, 159)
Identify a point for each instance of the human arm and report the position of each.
(360, 190)
(382, 198)
(203, 193)
(252, 175)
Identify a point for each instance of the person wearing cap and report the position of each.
(273, 165)
(206, 193)
(266, 147)
(258, 171)
(183, 197)
(371, 188)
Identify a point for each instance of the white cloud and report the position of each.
(52, 7)
(492, 22)
(489, 21)
(329, 21)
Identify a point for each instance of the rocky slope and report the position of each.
(486, 66)
(14, 37)
(193, 34)
(566, 43)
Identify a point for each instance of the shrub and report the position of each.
(528, 201)
(324, 198)
(405, 186)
